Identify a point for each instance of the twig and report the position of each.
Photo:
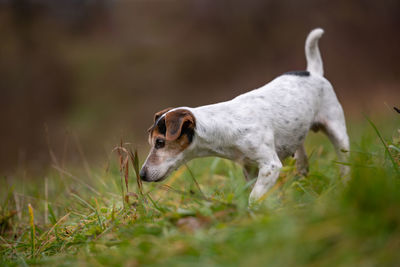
(135, 164)
(121, 167)
(46, 198)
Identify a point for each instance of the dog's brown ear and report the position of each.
(157, 115)
(176, 121)
(160, 113)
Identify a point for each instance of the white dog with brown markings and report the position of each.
(259, 128)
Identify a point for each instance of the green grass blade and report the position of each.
(52, 216)
(83, 201)
(395, 166)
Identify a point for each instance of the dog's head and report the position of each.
(171, 134)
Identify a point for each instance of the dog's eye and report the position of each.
(160, 143)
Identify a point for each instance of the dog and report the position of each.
(259, 128)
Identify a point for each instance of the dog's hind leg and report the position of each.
(301, 160)
(337, 134)
(333, 124)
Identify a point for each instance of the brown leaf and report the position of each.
(131, 194)
(126, 166)
(135, 164)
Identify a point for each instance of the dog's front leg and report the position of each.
(267, 176)
(301, 160)
(250, 171)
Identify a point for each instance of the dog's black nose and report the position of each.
(142, 174)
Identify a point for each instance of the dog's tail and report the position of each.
(314, 61)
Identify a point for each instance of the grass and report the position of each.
(199, 216)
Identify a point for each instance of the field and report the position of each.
(89, 216)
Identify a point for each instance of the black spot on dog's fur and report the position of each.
(161, 125)
(188, 131)
(243, 131)
(317, 126)
(190, 134)
(301, 73)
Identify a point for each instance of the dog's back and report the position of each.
(287, 107)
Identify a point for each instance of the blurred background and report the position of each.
(76, 76)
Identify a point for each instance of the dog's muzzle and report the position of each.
(143, 175)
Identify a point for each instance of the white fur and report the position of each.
(314, 61)
(268, 124)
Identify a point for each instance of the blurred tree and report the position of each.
(102, 67)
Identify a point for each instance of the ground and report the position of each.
(88, 216)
